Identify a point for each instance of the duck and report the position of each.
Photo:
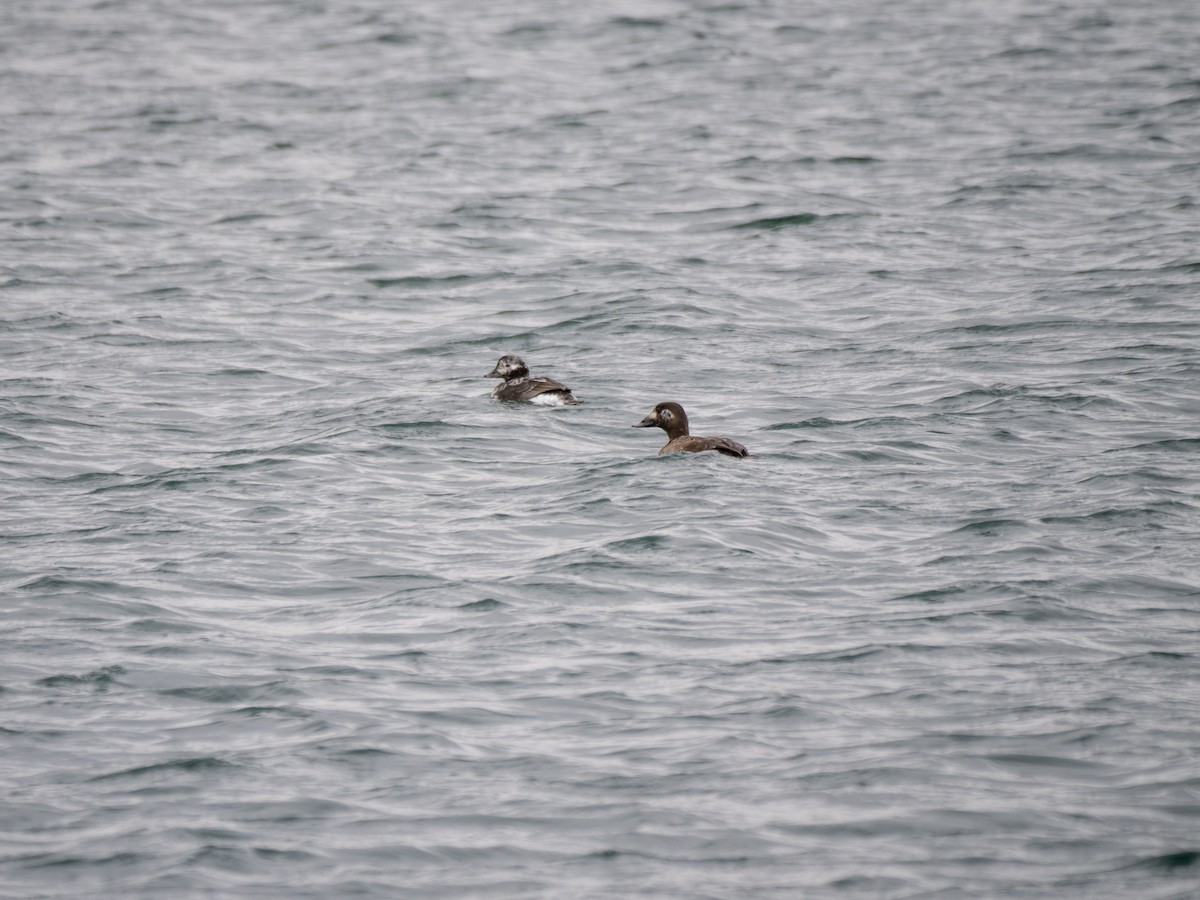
(518, 386)
(671, 418)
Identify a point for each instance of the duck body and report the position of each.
(671, 418)
(520, 387)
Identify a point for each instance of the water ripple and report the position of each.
(294, 608)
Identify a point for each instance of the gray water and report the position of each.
(293, 609)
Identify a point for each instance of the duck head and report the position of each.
(670, 417)
(509, 367)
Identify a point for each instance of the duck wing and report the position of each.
(694, 443)
(528, 388)
(729, 447)
(535, 386)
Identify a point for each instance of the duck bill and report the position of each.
(648, 422)
(493, 373)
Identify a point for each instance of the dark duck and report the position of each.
(671, 418)
(519, 386)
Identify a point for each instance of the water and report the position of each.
(292, 609)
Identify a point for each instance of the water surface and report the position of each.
(292, 608)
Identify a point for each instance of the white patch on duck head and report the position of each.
(509, 366)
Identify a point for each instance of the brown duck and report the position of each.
(671, 418)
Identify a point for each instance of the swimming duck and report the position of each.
(671, 418)
(517, 385)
